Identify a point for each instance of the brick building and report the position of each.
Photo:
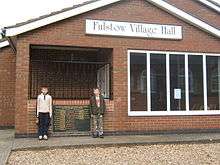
(157, 63)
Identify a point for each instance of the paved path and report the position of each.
(85, 141)
(6, 142)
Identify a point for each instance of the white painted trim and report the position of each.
(187, 82)
(186, 17)
(173, 113)
(174, 52)
(148, 84)
(4, 44)
(170, 113)
(216, 2)
(98, 4)
(168, 80)
(210, 5)
(129, 84)
(204, 82)
(57, 17)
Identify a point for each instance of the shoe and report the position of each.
(45, 137)
(94, 135)
(40, 137)
(101, 136)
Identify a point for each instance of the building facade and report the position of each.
(157, 65)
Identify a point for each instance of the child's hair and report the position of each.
(96, 88)
(43, 87)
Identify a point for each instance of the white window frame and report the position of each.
(148, 112)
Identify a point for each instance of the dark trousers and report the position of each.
(44, 122)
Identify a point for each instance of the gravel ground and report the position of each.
(187, 154)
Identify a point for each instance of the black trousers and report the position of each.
(44, 122)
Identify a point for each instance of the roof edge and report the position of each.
(13, 31)
(58, 17)
(186, 17)
(210, 5)
(216, 2)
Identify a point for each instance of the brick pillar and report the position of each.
(21, 88)
(120, 87)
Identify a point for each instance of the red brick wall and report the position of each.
(71, 32)
(7, 87)
(32, 111)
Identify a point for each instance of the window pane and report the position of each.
(196, 93)
(138, 82)
(213, 82)
(177, 82)
(158, 82)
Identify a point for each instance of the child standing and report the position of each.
(97, 110)
(44, 113)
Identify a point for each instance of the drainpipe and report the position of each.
(11, 43)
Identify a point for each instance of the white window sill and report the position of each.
(173, 113)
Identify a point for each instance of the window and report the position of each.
(158, 82)
(173, 83)
(143, 80)
(177, 83)
(213, 82)
(103, 80)
(196, 96)
(138, 96)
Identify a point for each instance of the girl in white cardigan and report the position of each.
(44, 113)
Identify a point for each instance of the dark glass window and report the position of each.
(138, 82)
(158, 82)
(196, 93)
(177, 82)
(213, 82)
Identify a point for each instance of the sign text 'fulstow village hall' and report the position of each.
(114, 28)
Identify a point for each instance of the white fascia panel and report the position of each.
(4, 44)
(61, 16)
(217, 2)
(210, 5)
(186, 17)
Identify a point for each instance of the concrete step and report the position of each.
(69, 134)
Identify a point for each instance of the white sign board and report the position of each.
(177, 94)
(114, 28)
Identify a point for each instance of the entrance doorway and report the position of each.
(70, 73)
